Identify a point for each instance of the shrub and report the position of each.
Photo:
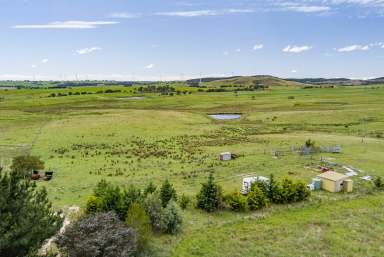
(301, 191)
(184, 201)
(102, 234)
(310, 143)
(288, 192)
(292, 191)
(139, 220)
(257, 199)
(210, 196)
(26, 216)
(236, 201)
(152, 205)
(129, 196)
(167, 193)
(273, 190)
(93, 205)
(151, 188)
(171, 219)
(379, 183)
(110, 198)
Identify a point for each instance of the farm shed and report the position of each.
(335, 182)
(227, 156)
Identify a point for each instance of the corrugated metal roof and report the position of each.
(334, 176)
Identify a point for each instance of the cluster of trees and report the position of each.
(157, 89)
(120, 221)
(107, 91)
(262, 194)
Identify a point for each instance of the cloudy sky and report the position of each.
(169, 39)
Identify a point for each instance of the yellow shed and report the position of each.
(332, 181)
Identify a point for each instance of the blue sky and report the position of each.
(168, 39)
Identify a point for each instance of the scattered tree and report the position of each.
(25, 164)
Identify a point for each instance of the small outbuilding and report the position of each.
(335, 182)
(227, 156)
(247, 183)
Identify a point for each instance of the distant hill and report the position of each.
(246, 81)
(339, 81)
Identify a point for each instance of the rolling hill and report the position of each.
(247, 81)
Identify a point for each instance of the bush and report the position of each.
(171, 219)
(301, 191)
(287, 192)
(210, 196)
(102, 234)
(379, 183)
(110, 198)
(184, 201)
(273, 190)
(26, 216)
(130, 196)
(257, 199)
(93, 205)
(150, 189)
(152, 205)
(139, 220)
(236, 201)
(167, 193)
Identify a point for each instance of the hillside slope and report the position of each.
(247, 81)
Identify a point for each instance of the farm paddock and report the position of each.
(86, 138)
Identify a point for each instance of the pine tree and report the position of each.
(150, 189)
(26, 216)
(210, 197)
(167, 192)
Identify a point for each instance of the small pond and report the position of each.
(225, 116)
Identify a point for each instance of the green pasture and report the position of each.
(86, 138)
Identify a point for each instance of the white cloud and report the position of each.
(33, 66)
(150, 66)
(198, 13)
(238, 50)
(44, 60)
(124, 15)
(352, 48)
(226, 53)
(308, 9)
(88, 50)
(258, 47)
(67, 25)
(296, 49)
(294, 71)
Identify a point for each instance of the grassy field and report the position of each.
(85, 138)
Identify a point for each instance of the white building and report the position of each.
(227, 156)
(247, 183)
